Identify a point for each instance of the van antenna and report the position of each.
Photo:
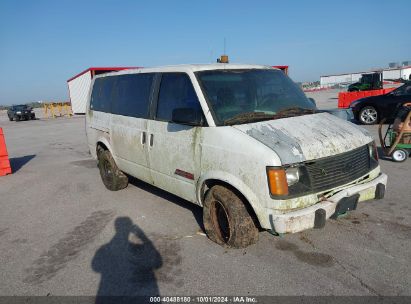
(223, 58)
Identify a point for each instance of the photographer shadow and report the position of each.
(126, 264)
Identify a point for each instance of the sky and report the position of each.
(43, 43)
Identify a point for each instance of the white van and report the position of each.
(242, 141)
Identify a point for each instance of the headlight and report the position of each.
(288, 181)
(18, 112)
(292, 176)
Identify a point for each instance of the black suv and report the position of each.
(20, 112)
(370, 110)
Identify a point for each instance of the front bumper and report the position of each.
(26, 115)
(302, 219)
(355, 111)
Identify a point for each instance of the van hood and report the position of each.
(308, 137)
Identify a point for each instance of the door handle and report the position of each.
(151, 140)
(143, 138)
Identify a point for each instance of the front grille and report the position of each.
(338, 170)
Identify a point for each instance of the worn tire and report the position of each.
(111, 175)
(223, 207)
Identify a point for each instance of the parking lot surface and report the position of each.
(63, 233)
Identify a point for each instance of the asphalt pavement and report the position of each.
(63, 233)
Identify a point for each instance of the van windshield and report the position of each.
(250, 95)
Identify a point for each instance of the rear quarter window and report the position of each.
(127, 95)
(102, 94)
(131, 96)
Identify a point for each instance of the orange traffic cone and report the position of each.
(4, 157)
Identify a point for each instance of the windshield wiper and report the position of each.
(294, 111)
(260, 116)
(247, 117)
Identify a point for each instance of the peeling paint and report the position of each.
(307, 137)
(297, 203)
(295, 151)
(279, 142)
(367, 194)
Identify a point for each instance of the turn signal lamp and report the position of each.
(277, 181)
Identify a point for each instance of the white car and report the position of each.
(242, 141)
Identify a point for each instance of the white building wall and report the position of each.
(356, 77)
(391, 74)
(78, 89)
(328, 81)
(406, 73)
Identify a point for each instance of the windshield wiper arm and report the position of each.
(259, 116)
(294, 111)
(247, 117)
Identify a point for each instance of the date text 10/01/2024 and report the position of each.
(203, 299)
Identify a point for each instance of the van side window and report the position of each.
(101, 95)
(176, 91)
(132, 95)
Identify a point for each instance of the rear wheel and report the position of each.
(111, 175)
(368, 115)
(400, 155)
(227, 220)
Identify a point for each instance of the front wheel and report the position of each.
(368, 115)
(111, 175)
(400, 155)
(17, 118)
(11, 118)
(227, 220)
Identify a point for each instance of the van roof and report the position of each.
(189, 68)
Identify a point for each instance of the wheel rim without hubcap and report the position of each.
(369, 115)
(220, 221)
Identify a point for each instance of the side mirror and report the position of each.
(187, 116)
(312, 100)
